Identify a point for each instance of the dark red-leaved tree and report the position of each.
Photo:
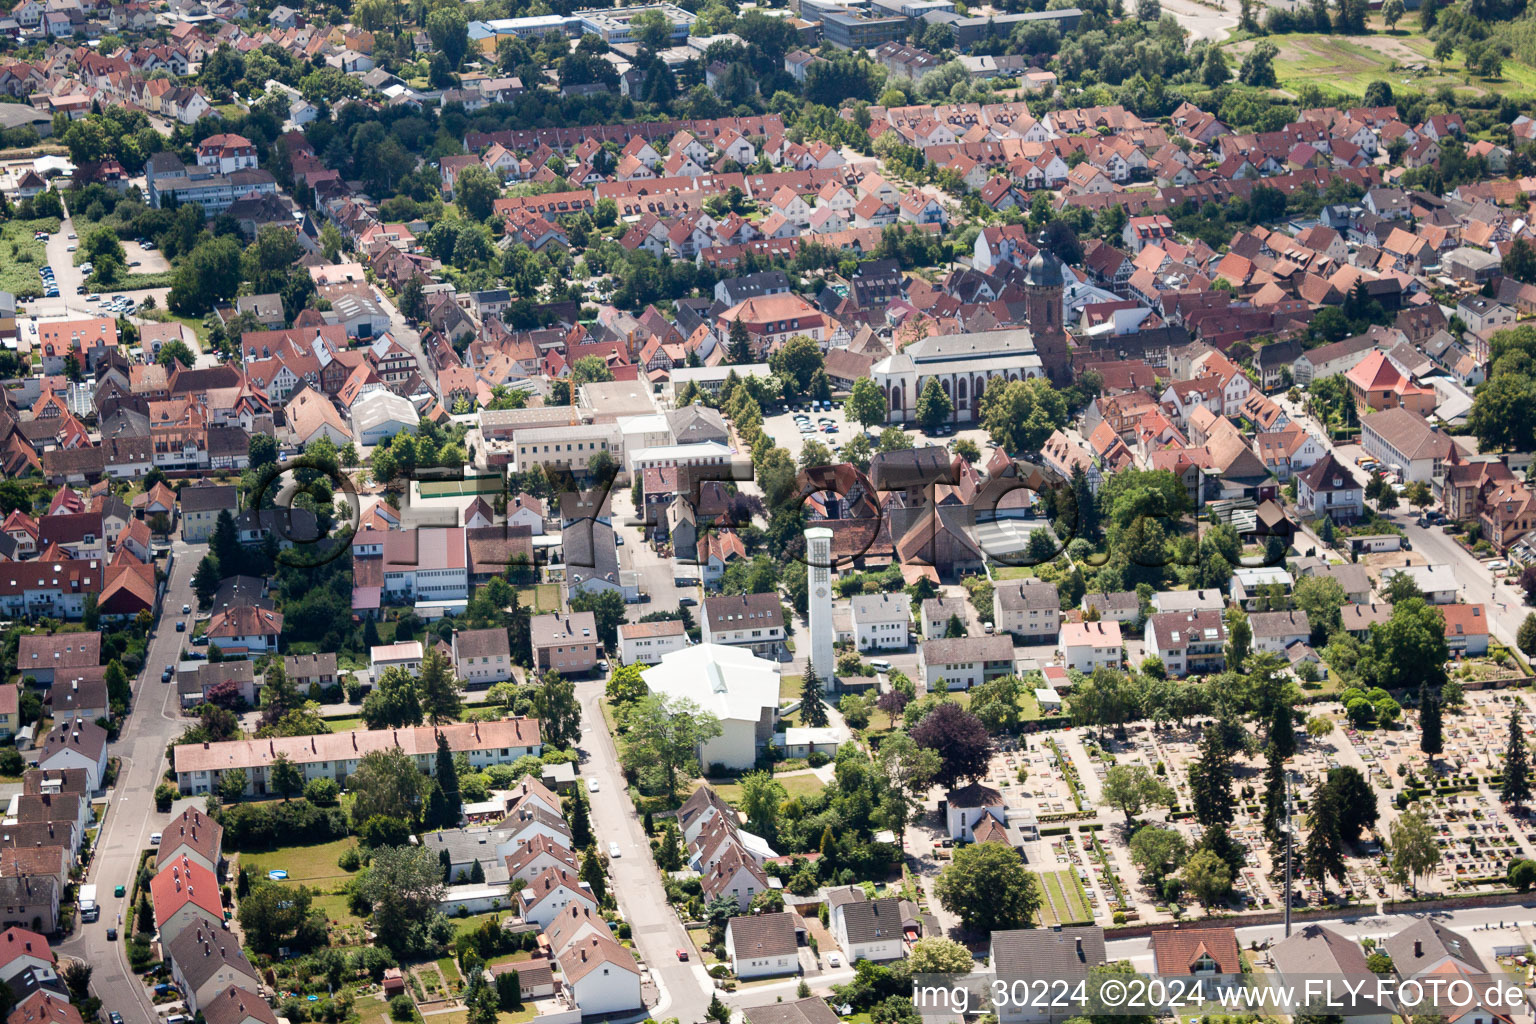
(227, 695)
(962, 742)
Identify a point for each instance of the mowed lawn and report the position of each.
(795, 785)
(1351, 63)
(1062, 899)
(314, 866)
(543, 598)
(789, 687)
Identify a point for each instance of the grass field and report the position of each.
(1063, 901)
(371, 1009)
(314, 866)
(789, 687)
(1405, 58)
(543, 598)
(504, 1017)
(344, 724)
(794, 785)
(336, 909)
(21, 257)
(700, 937)
(473, 921)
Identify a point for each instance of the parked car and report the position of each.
(593, 784)
(111, 934)
(614, 851)
(181, 626)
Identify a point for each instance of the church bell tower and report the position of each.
(1043, 292)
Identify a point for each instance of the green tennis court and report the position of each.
(450, 488)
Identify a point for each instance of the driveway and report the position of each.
(131, 816)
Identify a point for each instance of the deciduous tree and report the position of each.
(987, 887)
(1132, 788)
(961, 741)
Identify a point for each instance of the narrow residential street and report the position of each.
(654, 925)
(408, 337)
(153, 723)
(1505, 603)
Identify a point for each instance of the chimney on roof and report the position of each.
(1418, 948)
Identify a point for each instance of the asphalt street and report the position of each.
(685, 987)
(154, 721)
(1505, 602)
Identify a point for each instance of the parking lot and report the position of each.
(786, 432)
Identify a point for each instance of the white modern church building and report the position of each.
(731, 683)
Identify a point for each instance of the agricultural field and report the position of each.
(1403, 59)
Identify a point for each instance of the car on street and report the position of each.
(613, 850)
(834, 960)
(167, 675)
(70, 248)
(111, 934)
(72, 236)
(93, 297)
(119, 892)
(682, 954)
(114, 1018)
(593, 785)
(181, 626)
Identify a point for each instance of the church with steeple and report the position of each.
(1043, 304)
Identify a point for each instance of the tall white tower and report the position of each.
(818, 560)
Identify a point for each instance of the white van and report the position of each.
(879, 664)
